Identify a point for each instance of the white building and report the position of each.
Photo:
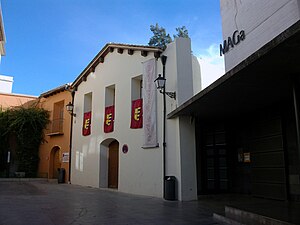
(6, 84)
(119, 158)
(261, 21)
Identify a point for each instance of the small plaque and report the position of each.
(125, 149)
(65, 157)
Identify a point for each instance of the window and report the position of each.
(137, 88)
(109, 113)
(136, 102)
(88, 102)
(87, 115)
(56, 125)
(110, 93)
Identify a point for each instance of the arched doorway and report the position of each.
(55, 162)
(113, 164)
(109, 163)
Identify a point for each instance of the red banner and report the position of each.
(86, 129)
(109, 118)
(136, 114)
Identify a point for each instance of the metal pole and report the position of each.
(163, 60)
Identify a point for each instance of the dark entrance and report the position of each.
(244, 156)
(214, 177)
(264, 143)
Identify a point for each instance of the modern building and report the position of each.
(247, 122)
(118, 139)
(54, 152)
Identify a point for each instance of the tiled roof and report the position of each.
(55, 90)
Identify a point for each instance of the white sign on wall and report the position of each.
(65, 157)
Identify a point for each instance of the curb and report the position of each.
(23, 179)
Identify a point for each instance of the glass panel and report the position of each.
(222, 162)
(210, 151)
(210, 162)
(210, 184)
(224, 185)
(222, 151)
(220, 138)
(223, 173)
(210, 173)
(209, 140)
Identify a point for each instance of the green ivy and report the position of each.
(25, 127)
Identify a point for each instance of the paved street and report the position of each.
(46, 203)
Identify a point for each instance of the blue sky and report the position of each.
(49, 42)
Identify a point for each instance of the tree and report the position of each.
(160, 37)
(21, 131)
(181, 32)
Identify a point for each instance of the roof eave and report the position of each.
(104, 51)
(54, 91)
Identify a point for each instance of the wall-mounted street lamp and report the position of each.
(160, 82)
(161, 85)
(70, 108)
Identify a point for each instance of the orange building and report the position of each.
(8, 100)
(54, 152)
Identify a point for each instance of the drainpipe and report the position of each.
(72, 91)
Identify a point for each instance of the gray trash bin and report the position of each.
(61, 175)
(169, 193)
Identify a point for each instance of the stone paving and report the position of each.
(43, 203)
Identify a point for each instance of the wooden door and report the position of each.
(113, 165)
(56, 163)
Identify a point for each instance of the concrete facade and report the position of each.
(262, 20)
(140, 170)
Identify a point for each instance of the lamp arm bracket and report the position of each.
(171, 94)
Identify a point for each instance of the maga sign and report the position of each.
(236, 38)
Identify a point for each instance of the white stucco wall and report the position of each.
(140, 170)
(197, 81)
(183, 76)
(262, 20)
(135, 174)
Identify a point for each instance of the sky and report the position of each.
(50, 42)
